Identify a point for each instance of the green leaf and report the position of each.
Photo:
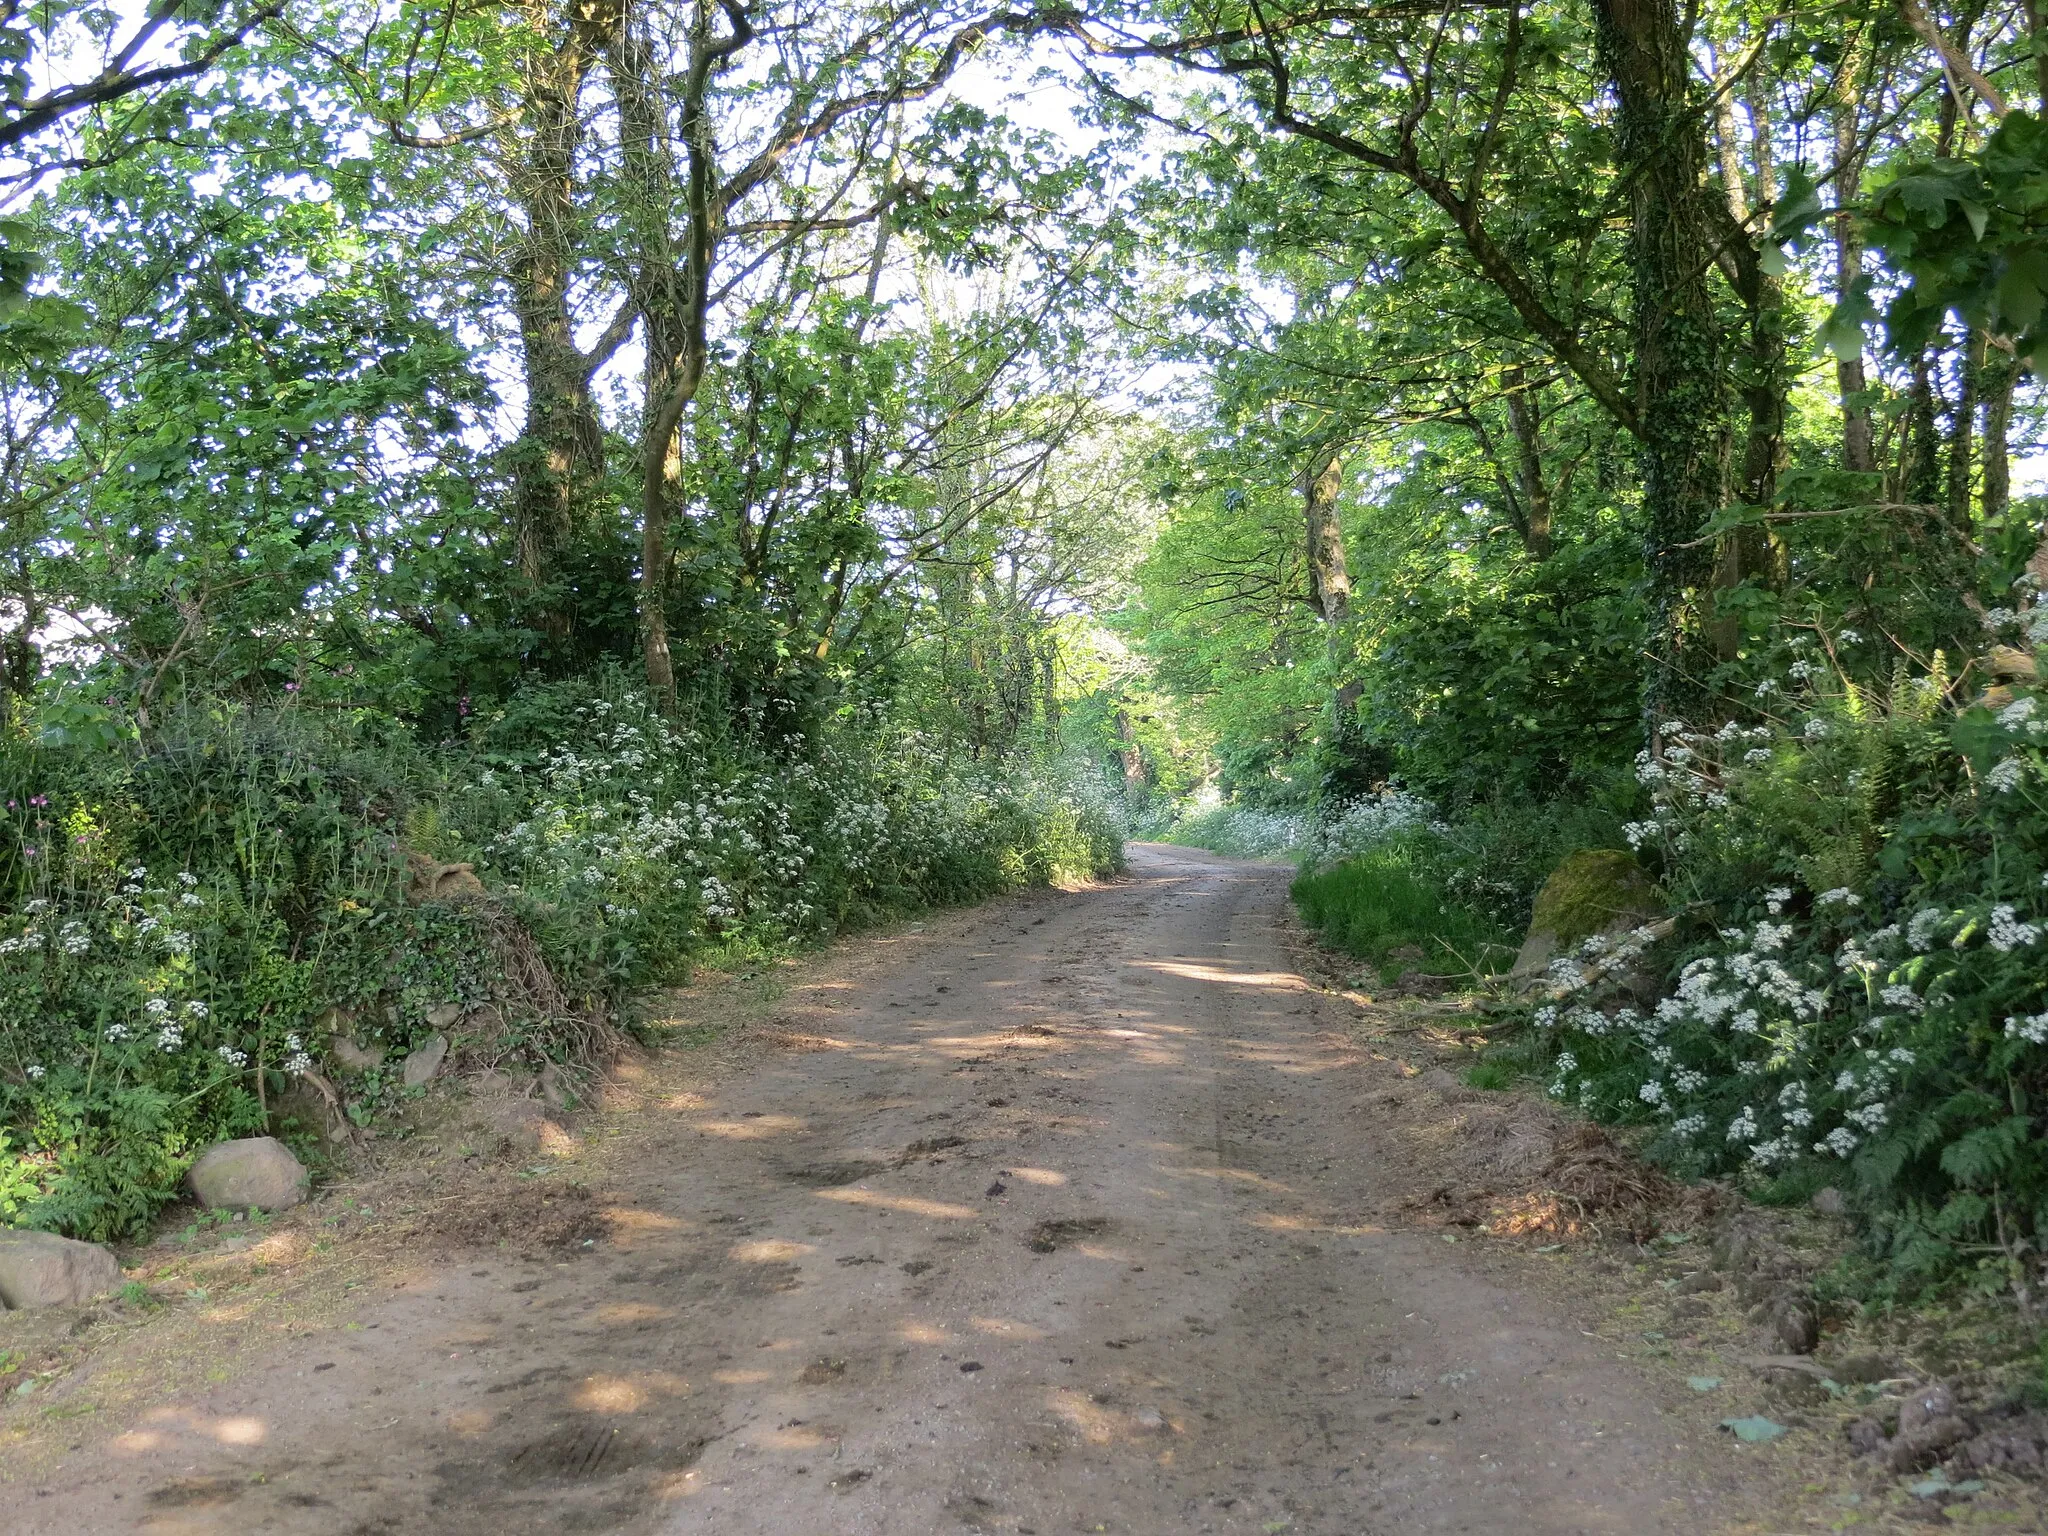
(1754, 1430)
(1703, 1383)
(1798, 209)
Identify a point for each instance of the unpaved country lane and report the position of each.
(1063, 1217)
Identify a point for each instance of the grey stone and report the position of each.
(521, 1124)
(1922, 1445)
(1923, 1405)
(40, 1269)
(1700, 1282)
(1795, 1326)
(442, 1015)
(351, 1057)
(1795, 1388)
(1862, 1370)
(258, 1171)
(424, 1064)
(1831, 1202)
(1151, 1420)
(558, 1087)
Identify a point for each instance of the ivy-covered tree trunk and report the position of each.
(1963, 429)
(559, 457)
(1680, 382)
(1329, 576)
(2001, 373)
(1525, 419)
(1859, 452)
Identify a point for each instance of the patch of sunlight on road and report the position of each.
(1007, 1328)
(633, 1312)
(909, 1205)
(789, 1438)
(1189, 970)
(756, 1129)
(1273, 1221)
(769, 1250)
(1089, 1419)
(1235, 1175)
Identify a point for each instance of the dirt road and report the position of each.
(1059, 1216)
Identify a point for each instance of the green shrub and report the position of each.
(1381, 901)
(1876, 1015)
(179, 908)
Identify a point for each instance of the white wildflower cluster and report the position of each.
(641, 821)
(2005, 932)
(1369, 822)
(2033, 1029)
(1761, 1010)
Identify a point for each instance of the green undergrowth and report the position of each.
(1379, 902)
(192, 907)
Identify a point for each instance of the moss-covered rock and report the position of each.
(1596, 890)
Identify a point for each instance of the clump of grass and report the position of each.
(1380, 902)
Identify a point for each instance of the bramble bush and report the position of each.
(179, 908)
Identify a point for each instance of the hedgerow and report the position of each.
(180, 911)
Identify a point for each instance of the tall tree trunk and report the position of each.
(1525, 418)
(1752, 550)
(1919, 468)
(1329, 579)
(559, 457)
(2000, 374)
(1329, 576)
(1962, 429)
(2038, 35)
(1680, 353)
(21, 660)
(672, 289)
(1132, 759)
(558, 460)
(1858, 451)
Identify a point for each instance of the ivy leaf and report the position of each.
(1798, 209)
(1842, 332)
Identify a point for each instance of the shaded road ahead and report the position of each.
(1060, 1216)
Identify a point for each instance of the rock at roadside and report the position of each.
(558, 1088)
(257, 1171)
(521, 1125)
(351, 1057)
(40, 1269)
(1795, 1326)
(1596, 890)
(424, 1064)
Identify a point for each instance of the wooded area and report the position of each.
(702, 476)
